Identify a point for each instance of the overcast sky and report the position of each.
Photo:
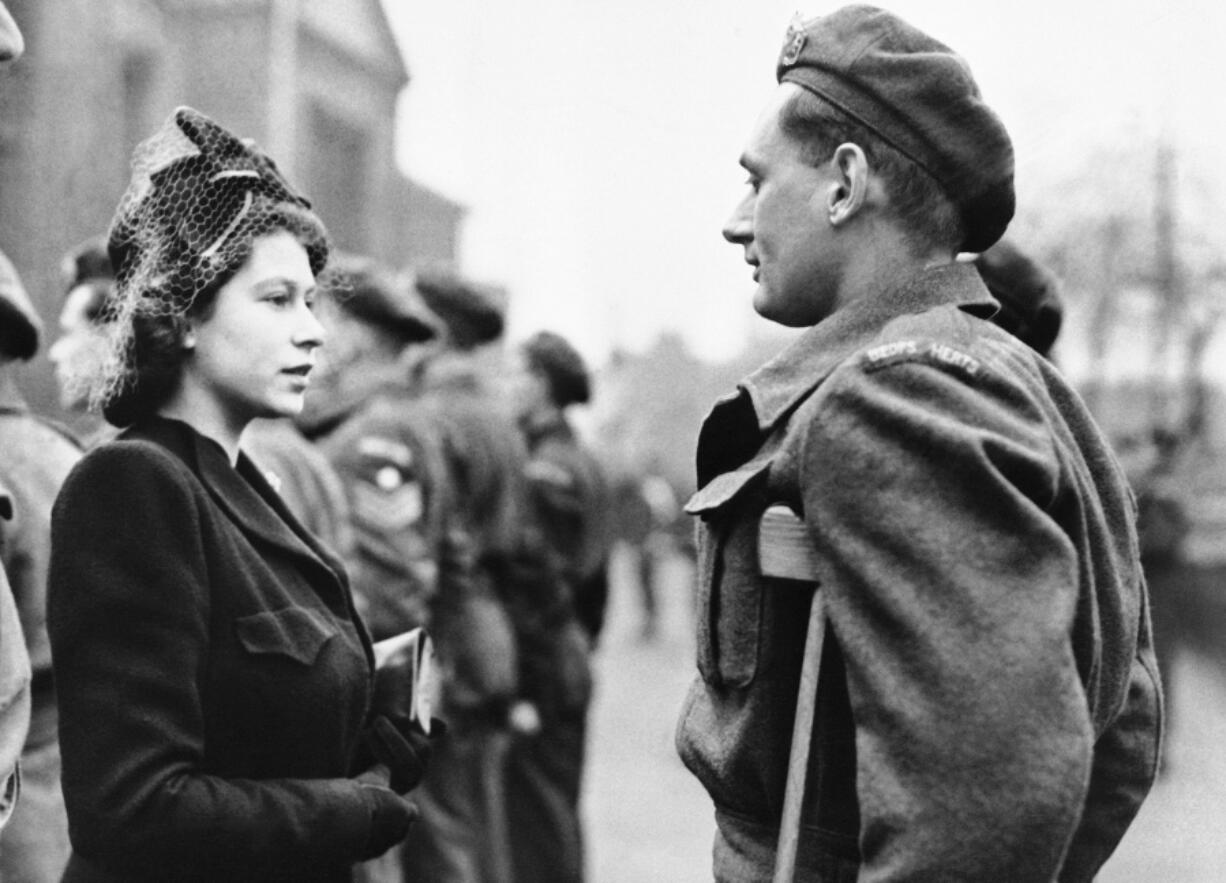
(595, 143)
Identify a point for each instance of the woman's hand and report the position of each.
(403, 749)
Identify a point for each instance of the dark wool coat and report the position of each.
(213, 677)
(988, 707)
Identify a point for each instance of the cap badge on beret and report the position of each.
(793, 42)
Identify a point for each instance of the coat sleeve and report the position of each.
(950, 593)
(129, 615)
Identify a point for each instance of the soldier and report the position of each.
(488, 462)
(14, 685)
(571, 501)
(416, 564)
(35, 458)
(14, 659)
(1028, 293)
(88, 285)
(978, 663)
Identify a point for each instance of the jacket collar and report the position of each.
(776, 387)
(242, 493)
(732, 435)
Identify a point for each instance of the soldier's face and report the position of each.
(11, 42)
(783, 224)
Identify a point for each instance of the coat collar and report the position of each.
(733, 432)
(242, 493)
(776, 387)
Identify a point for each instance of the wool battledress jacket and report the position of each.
(213, 677)
(988, 707)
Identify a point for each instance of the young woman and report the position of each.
(214, 681)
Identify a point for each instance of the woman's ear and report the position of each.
(848, 195)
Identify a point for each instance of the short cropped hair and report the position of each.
(924, 211)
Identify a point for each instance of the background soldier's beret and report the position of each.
(371, 293)
(472, 313)
(563, 368)
(88, 261)
(20, 326)
(89, 264)
(919, 97)
(1029, 295)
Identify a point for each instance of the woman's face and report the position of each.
(252, 354)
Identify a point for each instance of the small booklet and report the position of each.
(412, 653)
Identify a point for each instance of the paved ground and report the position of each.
(649, 821)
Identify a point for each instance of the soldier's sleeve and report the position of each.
(14, 684)
(1125, 760)
(951, 595)
(393, 567)
(14, 699)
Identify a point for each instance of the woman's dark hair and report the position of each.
(922, 208)
(154, 358)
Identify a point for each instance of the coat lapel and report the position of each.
(244, 495)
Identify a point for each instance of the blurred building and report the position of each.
(314, 82)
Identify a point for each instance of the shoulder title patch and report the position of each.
(932, 352)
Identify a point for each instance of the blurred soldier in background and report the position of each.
(14, 659)
(394, 561)
(35, 457)
(569, 488)
(488, 464)
(416, 564)
(648, 520)
(14, 684)
(88, 283)
(1029, 295)
(572, 504)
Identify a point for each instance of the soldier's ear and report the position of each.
(849, 188)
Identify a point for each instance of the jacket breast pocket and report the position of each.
(296, 633)
(730, 589)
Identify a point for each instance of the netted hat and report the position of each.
(198, 198)
(562, 367)
(472, 313)
(919, 97)
(20, 326)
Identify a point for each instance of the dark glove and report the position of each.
(404, 748)
(390, 814)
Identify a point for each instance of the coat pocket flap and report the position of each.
(725, 487)
(296, 632)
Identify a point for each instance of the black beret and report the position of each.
(472, 313)
(919, 97)
(193, 186)
(20, 326)
(1029, 295)
(562, 366)
(372, 294)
